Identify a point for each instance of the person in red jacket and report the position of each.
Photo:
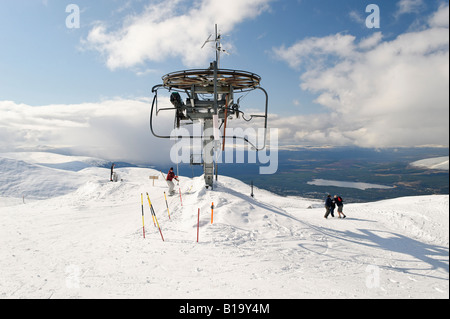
(340, 204)
(170, 176)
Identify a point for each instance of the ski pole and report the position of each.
(164, 178)
(154, 214)
(167, 205)
(142, 206)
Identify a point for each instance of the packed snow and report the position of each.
(69, 232)
(437, 163)
(358, 185)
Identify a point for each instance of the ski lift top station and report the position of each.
(222, 84)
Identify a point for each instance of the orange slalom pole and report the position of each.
(167, 205)
(212, 212)
(142, 206)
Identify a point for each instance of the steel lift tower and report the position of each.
(223, 85)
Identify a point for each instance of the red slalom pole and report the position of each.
(198, 223)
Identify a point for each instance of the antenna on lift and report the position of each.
(218, 45)
(223, 84)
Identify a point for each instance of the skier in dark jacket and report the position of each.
(112, 171)
(328, 203)
(333, 206)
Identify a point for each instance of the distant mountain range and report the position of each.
(401, 172)
(357, 174)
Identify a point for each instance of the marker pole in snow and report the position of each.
(150, 205)
(153, 213)
(181, 200)
(212, 212)
(142, 206)
(198, 224)
(167, 205)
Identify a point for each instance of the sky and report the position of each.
(76, 76)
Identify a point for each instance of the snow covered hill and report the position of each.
(438, 163)
(77, 235)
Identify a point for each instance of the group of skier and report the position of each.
(330, 205)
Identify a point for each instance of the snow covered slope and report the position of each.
(438, 163)
(81, 237)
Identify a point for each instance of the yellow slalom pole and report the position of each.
(167, 205)
(153, 214)
(150, 204)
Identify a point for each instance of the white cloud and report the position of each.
(356, 16)
(409, 6)
(113, 130)
(170, 28)
(440, 18)
(308, 51)
(378, 93)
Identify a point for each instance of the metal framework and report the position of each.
(222, 84)
(203, 80)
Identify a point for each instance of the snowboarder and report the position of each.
(170, 176)
(112, 172)
(340, 204)
(328, 203)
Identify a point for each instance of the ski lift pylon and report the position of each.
(222, 84)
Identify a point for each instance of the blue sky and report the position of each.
(317, 58)
(48, 59)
